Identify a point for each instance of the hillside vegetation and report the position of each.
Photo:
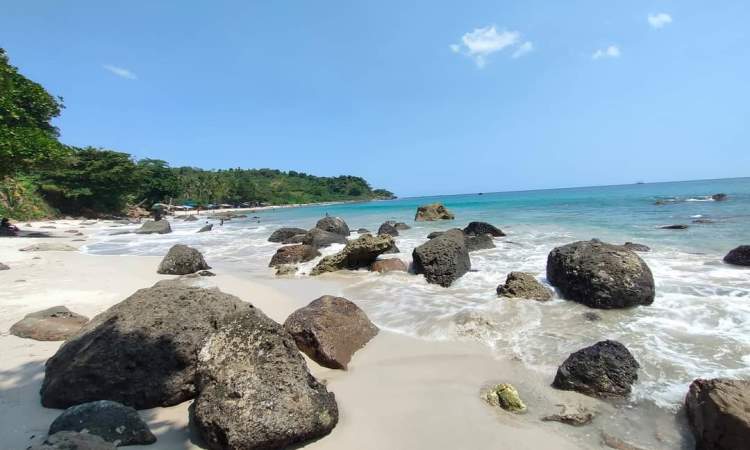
(40, 176)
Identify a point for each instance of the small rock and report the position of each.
(206, 273)
(523, 285)
(182, 260)
(330, 330)
(434, 234)
(205, 228)
(720, 197)
(617, 443)
(283, 234)
(703, 221)
(578, 417)
(674, 227)
(53, 324)
(190, 218)
(636, 247)
(48, 247)
(363, 231)
(401, 226)
(479, 242)
(606, 369)
(592, 316)
(154, 227)
(293, 254)
(388, 265)
(477, 228)
(112, 421)
(506, 397)
(319, 238)
(69, 440)
(739, 256)
(388, 228)
(71, 231)
(4, 267)
(286, 269)
(434, 211)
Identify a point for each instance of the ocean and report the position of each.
(698, 325)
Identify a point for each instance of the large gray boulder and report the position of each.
(69, 440)
(141, 352)
(330, 329)
(477, 228)
(443, 259)
(606, 369)
(600, 275)
(359, 253)
(112, 421)
(255, 391)
(739, 256)
(319, 238)
(52, 324)
(333, 225)
(285, 233)
(154, 227)
(719, 413)
(478, 242)
(523, 285)
(388, 228)
(182, 260)
(293, 254)
(433, 211)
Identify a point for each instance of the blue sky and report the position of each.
(421, 97)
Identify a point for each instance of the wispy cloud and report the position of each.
(120, 72)
(659, 20)
(483, 42)
(612, 51)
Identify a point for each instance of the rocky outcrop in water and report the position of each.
(359, 253)
(606, 369)
(68, 440)
(154, 227)
(255, 391)
(479, 242)
(720, 197)
(330, 330)
(388, 265)
(388, 228)
(4, 267)
(296, 239)
(600, 275)
(632, 246)
(523, 285)
(477, 228)
(52, 324)
(294, 254)
(285, 233)
(739, 256)
(182, 260)
(674, 227)
(333, 225)
(319, 238)
(111, 421)
(443, 259)
(141, 352)
(401, 226)
(434, 211)
(719, 413)
(206, 228)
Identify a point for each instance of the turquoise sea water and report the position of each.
(699, 324)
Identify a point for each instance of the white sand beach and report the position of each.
(399, 392)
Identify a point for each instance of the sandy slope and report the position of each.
(399, 393)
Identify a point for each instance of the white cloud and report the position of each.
(120, 72)
(659, 20)
(483, 42)
(612, 51)
(523, 49)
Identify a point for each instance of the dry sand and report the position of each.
(399, 393)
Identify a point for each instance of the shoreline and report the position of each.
(399, 392)
(208, 212)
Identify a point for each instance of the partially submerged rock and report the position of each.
(293, 254)
(190, 218)
(479, 242)
(141, 352)
(206, 228)
(523, 285)
(636, 247)
(434, 211)
(154, 227)
(330, 329)
(606, 369)
(333, 225)
(401, 226)
(719, 413)
(361, 252)
(112, 421)
(388, 228)
(52, 324)
(720, 197)
(505, 396)
(600, 275)
(255, 391)
(48, 247)
(286, 269)
(285, 233)
(319, 238)
(182, 260)
(388, 265)
(675, 227)
(576, 417)
(69, 440)
(296, 239)
(4, 267)
(739, 256)
(434, 234)
(443, 259)
(477, 228)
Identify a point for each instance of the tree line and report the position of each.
(39, 175)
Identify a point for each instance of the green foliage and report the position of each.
(157, 182)
(28, 140)
(92, 180)
(20, 199)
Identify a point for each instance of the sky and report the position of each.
(420, 97)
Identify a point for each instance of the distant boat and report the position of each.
(480, 193)
(639, 182)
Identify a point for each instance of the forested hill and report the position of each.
(40, 176)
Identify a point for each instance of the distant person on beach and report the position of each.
(6, 229)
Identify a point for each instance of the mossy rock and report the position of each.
(505, 396)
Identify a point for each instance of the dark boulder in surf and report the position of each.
(606, 369)
(293, 254)
(477, 228)
(636, 247)
(739, 256)
(718, 411)
(720, 197)
(600, 275)
(333, 225)
(443, 259)
(388, 228)
(674, 227)
(283, 234)
(523, 285)
(319, 238)
(154, 227)
(479, 242)
(359, 253)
